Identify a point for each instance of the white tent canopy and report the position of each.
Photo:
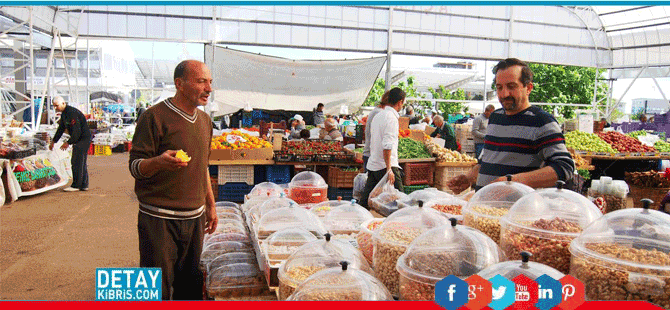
(271, 83)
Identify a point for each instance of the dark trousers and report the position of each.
(175, 246)
(478, 149)
(79, 169)
(374, 177)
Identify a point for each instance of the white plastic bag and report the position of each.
(359, 185)
(649, 140)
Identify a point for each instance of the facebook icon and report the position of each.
(451, 293)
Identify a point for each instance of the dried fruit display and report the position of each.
(647, 179)
(623, 143)
(299, 274)
(304, 195)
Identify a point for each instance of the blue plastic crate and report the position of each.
(345, 193)
(278, 174)
(259, 174)
(233, 191)
(213, 170)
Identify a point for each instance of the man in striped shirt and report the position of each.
(521, 140)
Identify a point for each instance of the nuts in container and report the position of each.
(513, 268)
(484, 210)
(289, 217)
(393, 237)
(544, 222)
(234, 280)
(217, 249)
(346, 219)
(341, 284)
(280, 245)
(265, 190)
(364, 238)
(450, 207)
(446, 250)
(625, 255)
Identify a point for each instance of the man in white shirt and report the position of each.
(368, 133)
(384, 144)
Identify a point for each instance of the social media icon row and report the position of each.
(499, 292)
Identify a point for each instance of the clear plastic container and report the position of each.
(364, 237)
(231, 210)
(265, 190)
(257, 212)
(231, 236)
(249, 204)
(491, 202)
(235, 280)
(321, 209)
(231, 258)
(227, 204)
(426, 194)
(446, 250)
(308, 187)
(393, 237)
(450, 207)
(341, 284)
(625, 255)
(230, 226)
(229, 216)
(544, 222)
(289, 217)
(316, 256)
(387, 203)
(346, 219)
(217, 249)
(280, 245)
(512, 269)
(614, 193)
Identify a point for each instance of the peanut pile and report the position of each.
(298, 274)
(549, 249)
(386, 254)
(487, 225)
(224, 287)
(364, 240)
(436, 264)
(604, 280)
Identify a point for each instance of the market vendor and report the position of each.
(319, 118)
(80, 139)
(297, 125)
(478, 129)
(330, 132)
(384, 135)
(445, 132)
(521, 140)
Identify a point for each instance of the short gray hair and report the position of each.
(490, 107)
(58, 99)
(330, 122)
(409, 110)
(437, 118)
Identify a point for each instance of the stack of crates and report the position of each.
(213, 178)
(341, 182)
(278, 174)
(465, 138)
(104, 150)
(234, 192)
(234, 182)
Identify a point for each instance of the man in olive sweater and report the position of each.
(176, 203)
(80, 139)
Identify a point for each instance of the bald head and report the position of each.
(58, 103)
(438, 120)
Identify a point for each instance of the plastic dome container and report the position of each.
(393, 237)
(490, 203)
(364, 237)
(265, 190)
(347, 219)
(316, 256)
(252, 203)
(235, 280)
(446, 250)
(341, 284)
(230, 226)
(280, 245)
(625, 255)
(451, 207)
(227, 204)
(511, 269)
(217, 249)
(228, 209)
(321, 209)
(412, 200)
(290, 217)
(544, 222)
(230, 236)
(387, 203)
(308, 187)
(231, 258)
(229, 216)
(257, 212)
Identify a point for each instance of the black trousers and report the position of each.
(79, 165)
(374, 177)
(175, 246)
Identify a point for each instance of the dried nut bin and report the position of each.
(289, 217)
(229, 216)
(544, 222)
(217, 249)
(308, 187)
(316, 256)
(265, 190)
(450, 207)
(231, 236)
(321, 209)
(229, 204)
(412, 200)
(387, 203)
(625, 255)
(231, 258)
(491, 202)
(614, 193)
(280, 245)
(341, 284)
(446, 250)
(364, 237)
(257, 212)
(393, 237)
(511, 269)
(235, 280)
(223, 210)
(346, 219)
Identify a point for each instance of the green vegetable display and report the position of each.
(662, 146)
(359, 150)
(584, 173)
(584, 141)
(637, 133)
(409, 148)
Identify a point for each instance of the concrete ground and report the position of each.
(51, 243)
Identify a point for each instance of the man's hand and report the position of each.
(168, 161)
(211, 220)
(391, 176)
(459, 183)
(51, 146)
(64, 146)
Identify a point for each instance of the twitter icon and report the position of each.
(502, 292)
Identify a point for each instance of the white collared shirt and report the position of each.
(383, 136)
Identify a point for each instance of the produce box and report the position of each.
(236, 174)
(404, 123)
(416, 135)
(265, 153)
(444, 173)
(341, 178)
(429, 130)
(278, 174)
(234, 191)
(418, 173)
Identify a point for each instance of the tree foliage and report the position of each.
(447, 108)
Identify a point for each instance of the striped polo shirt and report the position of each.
(526, 141)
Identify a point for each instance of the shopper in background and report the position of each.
(521, 140)
(479, 128)
(80, 139)
(330, 132)
(304, 134)
(319, 118)
(297, 125)
(176, 203)
(445, 132)
(371, 116)
(643, 118)
(384, 129)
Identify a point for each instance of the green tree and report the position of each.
(447, 108)
(377, 91)
(375, 95)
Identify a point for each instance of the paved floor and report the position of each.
(51, 244)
